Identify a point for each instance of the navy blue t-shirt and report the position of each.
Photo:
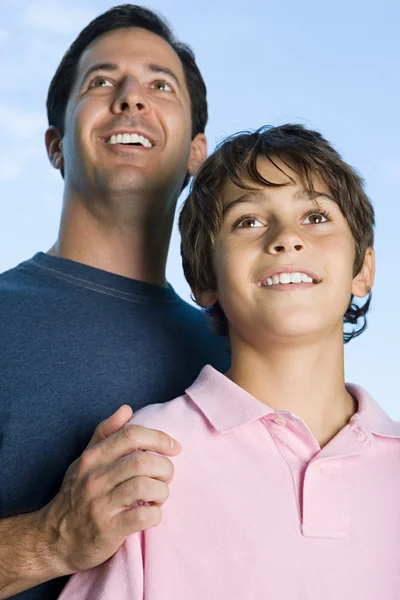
(75, 344)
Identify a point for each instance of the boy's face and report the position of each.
(274, 231)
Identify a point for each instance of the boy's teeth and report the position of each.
(130, 138)
(288, 278)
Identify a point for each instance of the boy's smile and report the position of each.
(282, 239)
(289, 278)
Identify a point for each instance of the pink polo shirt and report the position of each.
(258, 511)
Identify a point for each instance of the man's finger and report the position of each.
(129, 439)
(111, 425)
(138, 489)
(138, 464)
(132, 520)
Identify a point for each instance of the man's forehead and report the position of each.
(120, 46)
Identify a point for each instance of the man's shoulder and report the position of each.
(14, 282)
(18, 276)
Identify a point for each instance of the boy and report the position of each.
(287, 486)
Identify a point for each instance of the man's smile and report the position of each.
(130, 138)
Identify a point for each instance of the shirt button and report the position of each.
(357, 432)
(280, 421)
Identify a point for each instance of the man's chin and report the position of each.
(126, 179)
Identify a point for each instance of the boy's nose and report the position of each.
(286, 239)
(278, 249)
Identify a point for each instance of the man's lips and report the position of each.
(121, 131)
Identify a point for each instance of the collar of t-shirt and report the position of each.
(85, 276)
(236, 408)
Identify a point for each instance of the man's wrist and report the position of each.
(26, 556)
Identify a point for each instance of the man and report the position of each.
(91, 328)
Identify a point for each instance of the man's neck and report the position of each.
(306, 380)
(136, 248)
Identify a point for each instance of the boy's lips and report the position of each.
(276, 271)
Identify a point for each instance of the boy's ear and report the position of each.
(205, 299)
(363, 282)
(198, 153)
(54, 147)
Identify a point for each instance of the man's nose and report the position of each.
(132, 97)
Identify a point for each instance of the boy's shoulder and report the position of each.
(179, 418)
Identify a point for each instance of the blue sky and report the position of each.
(332, 66)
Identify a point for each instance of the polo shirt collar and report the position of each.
(371, 415)
(239, 408)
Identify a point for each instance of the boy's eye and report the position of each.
(163, 86)
(101, 82)
(249, 223)
(316, 218)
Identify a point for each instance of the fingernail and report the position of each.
(175, 445)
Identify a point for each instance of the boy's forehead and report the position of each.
(275, 170)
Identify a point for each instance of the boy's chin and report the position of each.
(296, 330)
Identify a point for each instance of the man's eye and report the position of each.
(249, 223)
(163, 86)
(101, 82)
(316, 218)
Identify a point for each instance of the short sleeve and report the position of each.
(119, 577)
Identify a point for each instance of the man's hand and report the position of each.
(96, 507)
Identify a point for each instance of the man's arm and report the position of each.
(92, 514)
(24, 560)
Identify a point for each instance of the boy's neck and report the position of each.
(306, 380)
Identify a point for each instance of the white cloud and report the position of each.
(10, 170)
(16, 123)
(24, 149)
(4, 35)
(392, 171)
(55, 20)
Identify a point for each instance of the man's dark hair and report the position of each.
(236, 159)
(119, 17)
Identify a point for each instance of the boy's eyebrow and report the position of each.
(258, 197)
(107, 66)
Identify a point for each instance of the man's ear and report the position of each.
(54, 147)
(198, 153)
(363, 282)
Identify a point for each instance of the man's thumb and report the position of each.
(112, 424)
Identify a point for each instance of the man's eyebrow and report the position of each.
(165, 70)
(258, 197)
(100, 66)
(106, 66)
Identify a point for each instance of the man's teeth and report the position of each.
(288, 278)
(130, 138)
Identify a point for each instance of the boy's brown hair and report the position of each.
(236, 159)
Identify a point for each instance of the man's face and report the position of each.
(129, 81)
(267, 236)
